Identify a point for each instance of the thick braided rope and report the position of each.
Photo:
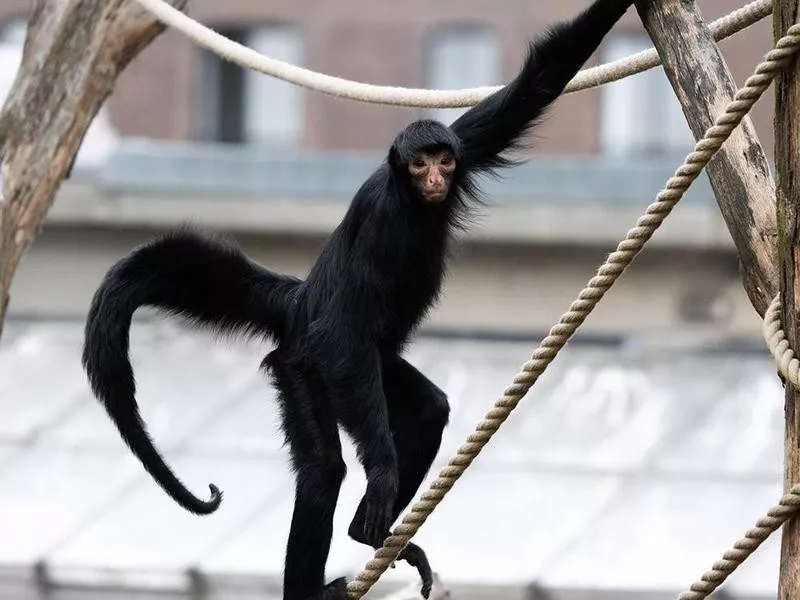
(417, 97)
(608, 273)
(778, 345)
(732, 559)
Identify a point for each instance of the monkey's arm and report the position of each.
(499, 122)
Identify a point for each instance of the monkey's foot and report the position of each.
(412, 554)
(416, 557)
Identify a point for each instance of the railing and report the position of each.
(193, 169)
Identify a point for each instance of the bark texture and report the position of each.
(787, 163)
(74, 52)
(739, 173)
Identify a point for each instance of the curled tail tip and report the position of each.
(203, 507)
(216, 499)
(216, 493)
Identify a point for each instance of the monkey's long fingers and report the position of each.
(377, 519)
(373, 533)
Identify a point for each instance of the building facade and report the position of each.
(274, 164)
(177, 91)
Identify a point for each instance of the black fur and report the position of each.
(340, 333)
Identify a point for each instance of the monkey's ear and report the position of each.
(396, 161)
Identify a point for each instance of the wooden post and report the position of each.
(787, 162)
(74, 52)
(739, 172)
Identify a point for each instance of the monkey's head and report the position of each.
(426, 155)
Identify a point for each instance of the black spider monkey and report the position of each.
(340, 332)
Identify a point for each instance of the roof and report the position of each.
(627, 468)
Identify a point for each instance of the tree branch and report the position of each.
(739, 173)
(74, 52)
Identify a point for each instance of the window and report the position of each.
(461, 57)
(640, 115)
(244, 106)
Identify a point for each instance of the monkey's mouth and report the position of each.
(435, 195)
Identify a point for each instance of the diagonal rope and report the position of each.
(732, 559)
(588, 298)
(417, 97)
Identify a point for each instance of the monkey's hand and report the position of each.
(415, 556)
(378, 505)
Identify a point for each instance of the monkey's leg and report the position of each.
(418, 414)
(355, 385)
(316, 454)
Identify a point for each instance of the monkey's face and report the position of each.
(432, 173)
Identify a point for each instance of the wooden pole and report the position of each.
(787, 163)
(739, 173)
(74, 52)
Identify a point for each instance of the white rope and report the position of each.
(418, 97)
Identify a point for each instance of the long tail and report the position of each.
(205, 278)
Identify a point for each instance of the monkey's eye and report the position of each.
(418, 163)
(446, 160)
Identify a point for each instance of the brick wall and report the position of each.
(378, 42)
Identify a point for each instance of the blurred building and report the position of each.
(274, 164)
(642, 455)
